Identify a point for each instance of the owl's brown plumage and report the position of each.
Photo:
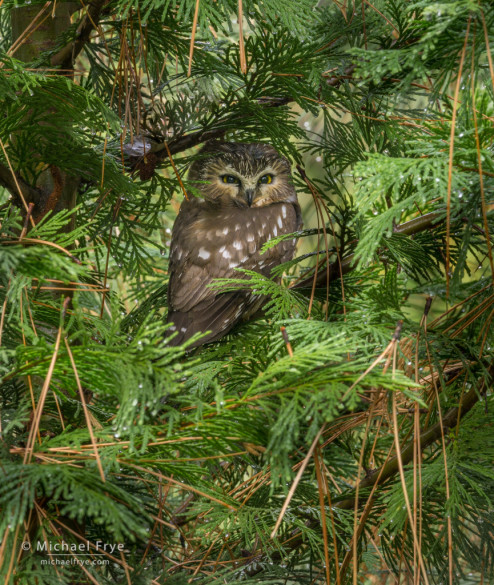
(249, 198)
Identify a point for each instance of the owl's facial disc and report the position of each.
(246, 185)
(241, 189)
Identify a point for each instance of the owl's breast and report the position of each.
(234, 237)
(218, 239)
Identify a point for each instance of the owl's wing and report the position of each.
(195, 259)
(218, 317)
(206, 246)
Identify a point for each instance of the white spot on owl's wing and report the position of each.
(275, 231)
(280, 221)
(237, 245)
(226, 230)
(250, 237)
(224, 252)
(204, 254)
(283, 211)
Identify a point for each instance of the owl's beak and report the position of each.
(249, 195)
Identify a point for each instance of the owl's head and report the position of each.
(244, 175)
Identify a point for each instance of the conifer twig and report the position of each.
(391, 466)
(193, 37)
(13, 183)
(451, 152)
(427, 437)
(414, 226)
(66, 56)
(296, 481)
(287, 341)
(243, 60)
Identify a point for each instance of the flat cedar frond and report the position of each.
(281, 301)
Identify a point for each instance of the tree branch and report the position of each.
(189, 140)
(427, 437)
(389, 469)
(185, 142)
(66, 56)
(414, 226)
(7, 181)
(143, 155)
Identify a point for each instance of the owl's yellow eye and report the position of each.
(230, 179)
(266, 179)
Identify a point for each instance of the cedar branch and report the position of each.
(427, 437)
(414, 226)
(389, 469)
(66, 56)
(7, 180)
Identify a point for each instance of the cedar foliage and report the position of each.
(365, 436)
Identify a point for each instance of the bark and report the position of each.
(39, 27)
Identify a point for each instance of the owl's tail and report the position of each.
(214, 317)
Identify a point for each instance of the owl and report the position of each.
(247, 199)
